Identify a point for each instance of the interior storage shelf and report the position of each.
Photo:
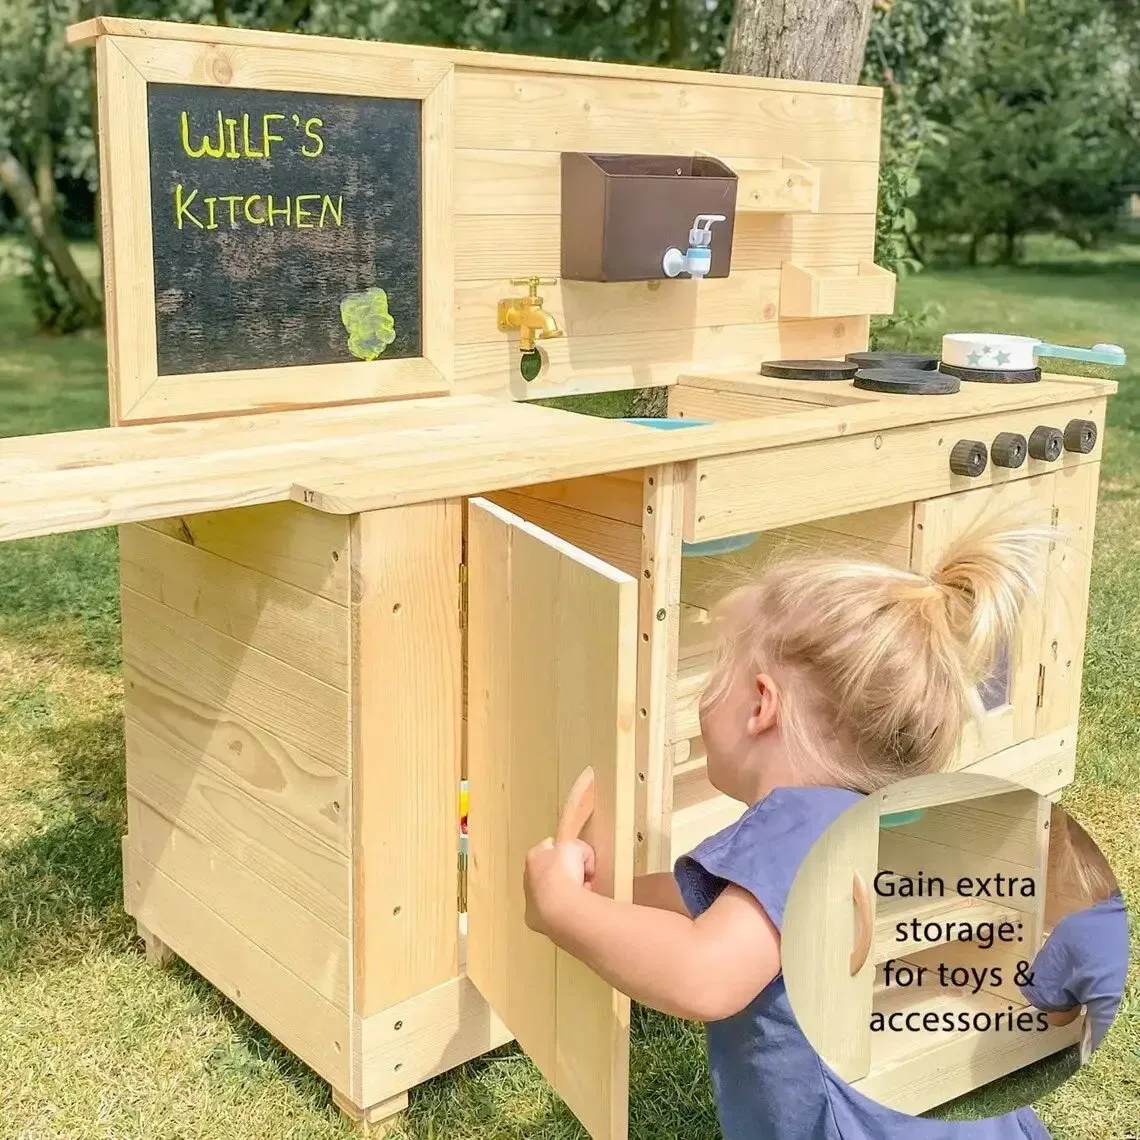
(911, 1071)
(889, 912)
(835, 293)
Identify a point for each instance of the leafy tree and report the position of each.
(1041, 125)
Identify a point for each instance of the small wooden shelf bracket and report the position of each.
(830, 293)
(790, 188)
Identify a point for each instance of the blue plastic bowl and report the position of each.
(714, 546)
(901, 818)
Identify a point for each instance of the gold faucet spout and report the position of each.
(528, 316)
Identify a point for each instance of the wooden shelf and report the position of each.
(890, 911)
(835, 293)
(912, 1072)
(790, 188)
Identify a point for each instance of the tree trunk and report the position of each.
(45, 176)
(45, 231)
(1010, 247)
(822, 40)
(87, 10)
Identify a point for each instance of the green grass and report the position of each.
(96, 1044)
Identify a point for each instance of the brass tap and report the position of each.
(527, 315)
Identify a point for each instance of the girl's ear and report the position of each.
(765, 705)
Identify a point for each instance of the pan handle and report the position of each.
(1100, 354)
(864, 927)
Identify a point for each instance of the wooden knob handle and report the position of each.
(863, 925)
(579, 807)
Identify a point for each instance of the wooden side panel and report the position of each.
(273, 617)
(832, 1006)
(209, 806)
(552, 677)
(286, 541)
(289, 932)
(224, 673)
(308, 1024)
(406, 749)
(236, 717)
(1067, 595)
(218, 745)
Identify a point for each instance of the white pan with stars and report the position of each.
(997, 352)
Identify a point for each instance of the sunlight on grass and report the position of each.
(95, 1043)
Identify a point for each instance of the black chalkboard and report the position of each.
(284, 225)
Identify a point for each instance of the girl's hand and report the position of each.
(559, 868)
(555, 873)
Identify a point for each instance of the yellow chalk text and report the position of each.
(195, 210)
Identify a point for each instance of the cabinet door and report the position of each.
(1010, 694)
(828, 944)
(552, 672)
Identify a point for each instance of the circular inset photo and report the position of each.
(948, 931)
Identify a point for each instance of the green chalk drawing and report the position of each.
(370, 326)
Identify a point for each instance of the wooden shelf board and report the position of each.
(890, 911)
(912, 1072)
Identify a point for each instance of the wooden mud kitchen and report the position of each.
(361, 564)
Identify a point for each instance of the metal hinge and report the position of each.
(463, 595)
(1040, 685)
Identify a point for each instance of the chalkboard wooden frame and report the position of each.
(138, 394)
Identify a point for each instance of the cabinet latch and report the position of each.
(1040, 685)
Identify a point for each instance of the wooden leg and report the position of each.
(383, 1114)
(157, 952)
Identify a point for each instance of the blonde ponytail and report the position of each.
(880, 667)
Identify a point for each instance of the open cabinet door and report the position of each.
(552, 664)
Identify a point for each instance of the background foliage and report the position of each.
(1002, 118)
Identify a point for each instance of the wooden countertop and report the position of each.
(356, 458)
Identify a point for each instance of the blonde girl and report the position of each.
(834, 678)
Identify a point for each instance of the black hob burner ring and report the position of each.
(991, 375)
(886, 359)
(808, 369)
(906, 382)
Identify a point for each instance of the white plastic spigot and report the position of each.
(697, 260)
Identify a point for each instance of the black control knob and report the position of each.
(1046, 443)
(1080, 436)
(1009, 449)
(968, 457)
